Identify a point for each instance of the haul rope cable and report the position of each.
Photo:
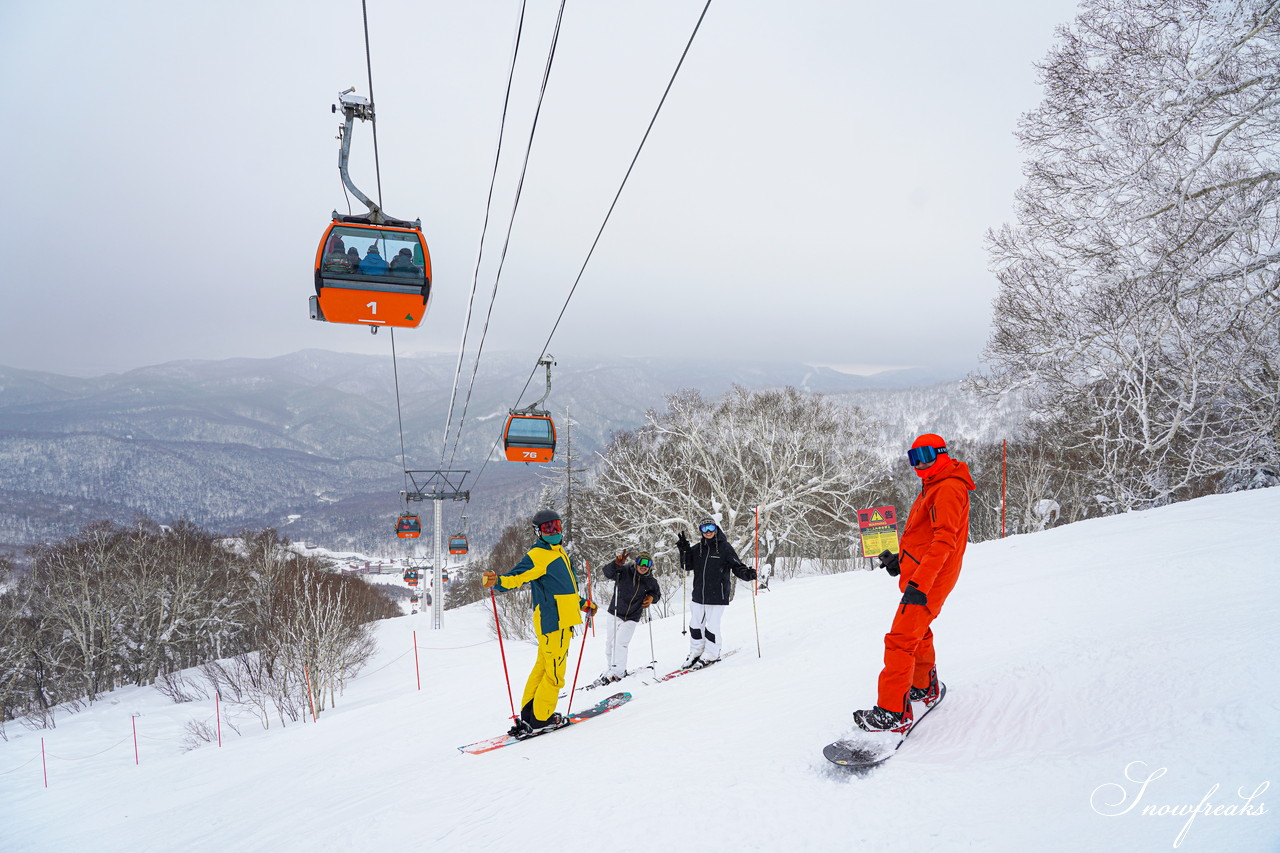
(377, 170)
(484, 230)
(603, 224)
(546, 73)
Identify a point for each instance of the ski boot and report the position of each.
(555, 721)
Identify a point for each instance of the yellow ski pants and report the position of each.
(547, 678)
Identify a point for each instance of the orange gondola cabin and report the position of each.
(529, 438)
(458, 544)
(408, 526)
(372, 275)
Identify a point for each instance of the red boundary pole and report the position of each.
(134, 720)
(1004, 481)
(416, 671)
(498, 625)
(44, 764)
(217, 712)
(587, 563)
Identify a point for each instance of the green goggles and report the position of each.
(644, 562)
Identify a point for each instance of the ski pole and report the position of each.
(648, 618)
(684, 609)
(755, 586)
(590, 622)
(757, 620)
(498, 624)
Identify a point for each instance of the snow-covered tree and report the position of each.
(795, 456)
(1139, 297)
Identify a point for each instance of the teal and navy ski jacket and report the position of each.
(556, 603)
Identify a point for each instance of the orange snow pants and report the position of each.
(908, 656)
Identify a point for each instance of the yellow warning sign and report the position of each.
(879, 529)
(878, 540)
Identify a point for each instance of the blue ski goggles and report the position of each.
(924, 455)
(644, 562)
(708, 528)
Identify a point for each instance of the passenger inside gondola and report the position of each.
(336, 259)
(373, 264)
(402, 263)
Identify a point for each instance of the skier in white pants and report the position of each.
(634, 589)
(711, 560)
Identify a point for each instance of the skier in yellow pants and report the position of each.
(556, 609)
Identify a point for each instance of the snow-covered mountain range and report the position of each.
(310, 442)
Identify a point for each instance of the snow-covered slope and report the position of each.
(1078, 660)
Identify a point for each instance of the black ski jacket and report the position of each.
(629, 589)
(711, 562)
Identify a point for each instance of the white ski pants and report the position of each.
(618, 634)
(704, 629)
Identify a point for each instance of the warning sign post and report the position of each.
(879, 529)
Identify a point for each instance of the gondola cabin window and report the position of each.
(373, 255)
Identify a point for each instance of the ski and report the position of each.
(680, 672)
(614, 701)
(870, 749)
(598, 683)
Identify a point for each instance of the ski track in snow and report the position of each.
(1067, 655)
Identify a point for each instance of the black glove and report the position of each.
(889, 562)
(681, 542)
(913, 595)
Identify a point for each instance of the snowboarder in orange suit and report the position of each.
(927, 566)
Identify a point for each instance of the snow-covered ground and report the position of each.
(1081, 663)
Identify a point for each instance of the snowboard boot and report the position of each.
(928, 695)
(882, 720)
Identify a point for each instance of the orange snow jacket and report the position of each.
(937, 531)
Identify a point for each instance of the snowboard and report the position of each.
(870, 749)
(615, 701)
(680, 672)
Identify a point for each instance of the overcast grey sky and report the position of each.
(816, 188)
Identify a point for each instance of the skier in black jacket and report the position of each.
(634, 589)
(711, 560)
